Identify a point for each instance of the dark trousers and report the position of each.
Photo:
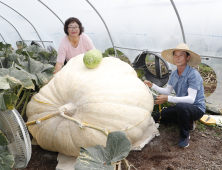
(180, 114)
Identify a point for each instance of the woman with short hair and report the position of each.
(75, 42)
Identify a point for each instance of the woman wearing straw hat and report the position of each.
(188, 86)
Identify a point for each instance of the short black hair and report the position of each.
(70, 20)
(184, 51)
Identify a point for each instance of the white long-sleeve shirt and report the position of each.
(168, 90)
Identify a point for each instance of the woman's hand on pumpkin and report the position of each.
(58, 67)
(148, 83)
(160, 99)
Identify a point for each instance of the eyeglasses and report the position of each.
(73, 28)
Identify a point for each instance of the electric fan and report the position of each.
(14, 128)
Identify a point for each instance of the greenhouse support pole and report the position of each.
(3, 38)
(0, 58)
(51, 11)
(13, 27)
(105, 26)
(26, 20)
(178, 16)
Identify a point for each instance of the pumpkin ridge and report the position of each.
(126, 105)
(71, 134)
(42, 126)
(139, 121)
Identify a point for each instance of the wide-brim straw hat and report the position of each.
(194, 58)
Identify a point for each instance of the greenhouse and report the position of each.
(139, 30)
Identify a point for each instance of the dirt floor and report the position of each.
(162, 153)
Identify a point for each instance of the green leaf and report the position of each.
(105, 55)
(37, 71)
(6, 160)
(35, 49)
(24, 78)
(17, 77)
(4, 84)
(52, 58)
(97, 157)
(92, 159)
(3, 139)
(9, 99)
(117, 146)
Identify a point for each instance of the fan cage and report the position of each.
(13, 126)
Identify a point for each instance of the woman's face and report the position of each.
(73, 29)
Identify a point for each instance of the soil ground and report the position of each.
(162, 153)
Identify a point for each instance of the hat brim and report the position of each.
(194, 58)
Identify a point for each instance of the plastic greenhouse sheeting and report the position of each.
(137, 24)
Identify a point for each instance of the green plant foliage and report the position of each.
(3, 139)
(201, 126)
(9, 79)
(16, 77)
(21, 44)
(9, 61)
(21, 73)
(6, 160)
(47, 58)
(97, 157)
(140, 73)
(6, 49)
(105, 55)
(35, 49)
(111, 51)
(37, 71)
(205, 68)
(4, 85)
(7, 101)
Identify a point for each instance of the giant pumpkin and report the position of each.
(110, 97)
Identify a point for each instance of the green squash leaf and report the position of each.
(9, 100)
(105, 55)
(17, 77)
(97, 157)
(3, 139)
(117, 146)
(37, 71)
(35, 49)
(6, 160)
(93, 159)
(3, 83)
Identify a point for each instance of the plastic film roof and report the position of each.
(136, 24)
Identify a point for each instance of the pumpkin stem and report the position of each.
(40, 120)
(82, 124)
